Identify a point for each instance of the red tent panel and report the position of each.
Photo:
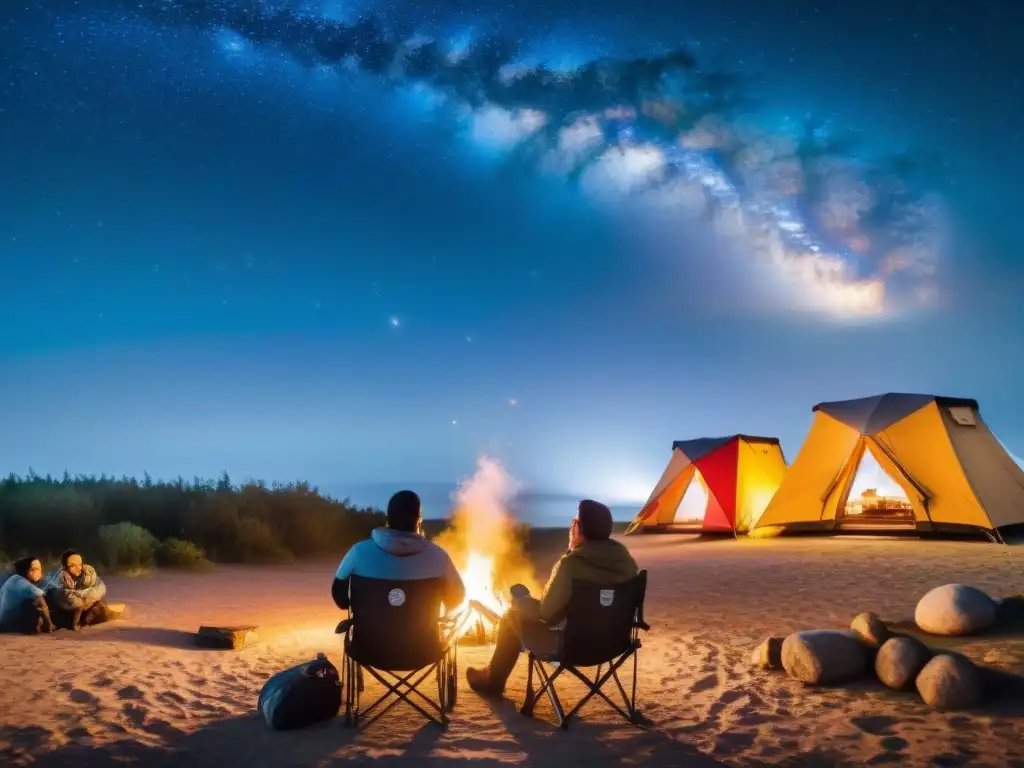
(719, 471)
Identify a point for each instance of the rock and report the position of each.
(768, 655)
(950, 681)
(1010, 612)
(824, 656)
(899, 661)
(955, 609)
(872, 630)
(226, 638)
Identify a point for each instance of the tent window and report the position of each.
(875, 499)
(963, 416)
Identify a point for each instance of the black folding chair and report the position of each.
(393, 630)
(602, 627)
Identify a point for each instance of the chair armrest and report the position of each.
(343, 626)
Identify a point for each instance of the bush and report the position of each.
(257, 544)
(126, 546)
(178, 553)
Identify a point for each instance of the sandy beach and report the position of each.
(137, 691)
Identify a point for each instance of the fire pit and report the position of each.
(477, 624)
(476, 620)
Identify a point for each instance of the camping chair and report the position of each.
(602, 627)
(393, 631)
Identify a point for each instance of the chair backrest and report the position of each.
(600, 622)
(395, 622)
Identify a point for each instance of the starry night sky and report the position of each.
(266, 238)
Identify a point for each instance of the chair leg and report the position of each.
(351, 705)
(634, 715)
(530, 700)
(453, 682)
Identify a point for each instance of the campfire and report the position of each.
(478, 616)
(482, 543)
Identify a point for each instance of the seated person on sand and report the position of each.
(592, 557)
(75, 594)
(400, 552)
(22, 603)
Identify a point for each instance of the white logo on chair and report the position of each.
(607, 597)
(396, 597)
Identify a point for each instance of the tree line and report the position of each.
(142, 521)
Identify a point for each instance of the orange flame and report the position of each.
(483, 543)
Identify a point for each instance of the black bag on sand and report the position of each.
(302, 695)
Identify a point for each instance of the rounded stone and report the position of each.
(950, 682)
(955, 609)
(872, 630)
(899, 661)
(824, 656)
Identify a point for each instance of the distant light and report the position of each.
(394, 321)
(513, 402)
(455, 422)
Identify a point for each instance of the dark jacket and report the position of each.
(606, 563)
(402, 556)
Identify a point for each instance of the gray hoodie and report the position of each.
(402, 556)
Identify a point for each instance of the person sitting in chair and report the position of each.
(592, 557)
(75, 594)
(22, 603)
(401, 552)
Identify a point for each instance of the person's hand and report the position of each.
(518, 591)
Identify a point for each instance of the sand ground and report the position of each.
(138, 692)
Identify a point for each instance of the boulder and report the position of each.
(899, 661)
(1010, 612)
(950, 681)
(955, 609)
(872, 630)
(768, 655)
(824, 656)
(226, 638)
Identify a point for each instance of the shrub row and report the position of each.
(129, 524)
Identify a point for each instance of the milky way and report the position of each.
(844, 235)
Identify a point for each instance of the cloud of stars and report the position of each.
(840, 234)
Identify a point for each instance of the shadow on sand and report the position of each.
(119, 633)
(246, 740)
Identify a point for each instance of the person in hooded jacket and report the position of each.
(593, 557)
(23, 606)
(400, 552)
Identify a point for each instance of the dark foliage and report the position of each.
(250, 523)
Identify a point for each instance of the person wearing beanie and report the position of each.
(594, 557)
(399, 551)
(23, 606)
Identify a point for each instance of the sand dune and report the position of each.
(137, 691)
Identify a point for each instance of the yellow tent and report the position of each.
(736, 476)
(955, 475)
